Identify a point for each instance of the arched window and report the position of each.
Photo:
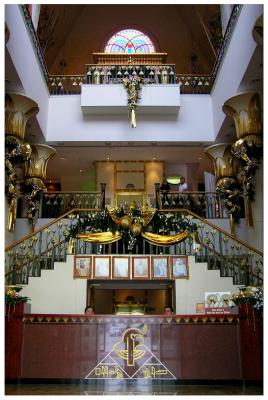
(129, 41)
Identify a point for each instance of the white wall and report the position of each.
(191, 291)
(66, 122)
(112, 99)
(57, 292)
(23, 56)
(235, 63)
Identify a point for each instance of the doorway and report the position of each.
(133, 297)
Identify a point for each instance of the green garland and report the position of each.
(133, 86)
(161, 223)
(12, 296)
(250, 295)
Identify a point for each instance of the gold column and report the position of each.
(18, 109)
(35, 174)
(246, 111)
(227, 185)
(257, 31)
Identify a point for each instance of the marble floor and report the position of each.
(125, 388)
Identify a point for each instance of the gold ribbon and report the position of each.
(100, 237)
(133, 118)
(147, 214)
(12, 213)
(165, 240)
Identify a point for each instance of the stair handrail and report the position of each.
(223, 249)
(55, 220)
(205, 221)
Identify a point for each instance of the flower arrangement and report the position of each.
(12, 297)
(250, 295)
(133, 86)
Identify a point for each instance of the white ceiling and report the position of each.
(73, 160)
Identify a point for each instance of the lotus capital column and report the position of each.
(18, 109)
(227, 185)
(246, 111)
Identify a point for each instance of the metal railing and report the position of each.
(207, 205)
(54, 204)
(71, 84)
(222, 251)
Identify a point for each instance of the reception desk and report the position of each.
(181, 348)
(129, 347)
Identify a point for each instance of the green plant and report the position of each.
(12, 297)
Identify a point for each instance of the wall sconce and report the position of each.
(227, 185)
(246, 111)
(35, 174)
(18, 109)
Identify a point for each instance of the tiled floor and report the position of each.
(129, 388)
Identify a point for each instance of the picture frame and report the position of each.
(160, 267)
(140, 267)
(121, 267)
(82, 267)
(179, 267)
(102, 267)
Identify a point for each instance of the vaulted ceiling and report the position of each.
(189, 34)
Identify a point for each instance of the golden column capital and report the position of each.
(36, 166)
(225, 165)
(18, 109)
(257, 31)
(227, 185)
(35, 173)
(246, 110)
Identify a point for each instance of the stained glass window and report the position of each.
(129, 41)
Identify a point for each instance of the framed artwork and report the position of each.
(140, 267)
(179, 267)
(121, 267)
(160, 267)
(102, 267)
(200, 308)
(82, 267)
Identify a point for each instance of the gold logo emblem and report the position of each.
(133, 346)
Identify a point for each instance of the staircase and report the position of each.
(47, 245)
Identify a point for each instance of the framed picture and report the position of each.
(102, 267)
(121, 267)
(160, 268)
(179, 267)
(82, 267)
(141, 267)
(200, 308)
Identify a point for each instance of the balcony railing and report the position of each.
(189, 84)
(207, 205)
(71, 84)
(53, 204)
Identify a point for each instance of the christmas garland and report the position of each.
(133, 87)
(129, 223)
(250, 295)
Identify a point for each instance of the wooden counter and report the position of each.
(114, 347)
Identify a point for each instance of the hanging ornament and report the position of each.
(125, 221)
(136, 229)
